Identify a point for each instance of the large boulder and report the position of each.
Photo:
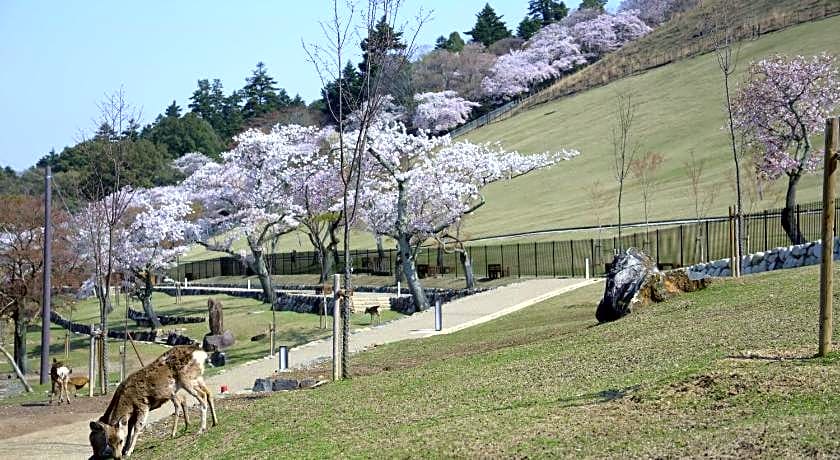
(635, 281)
(627, 273)
(218, 342)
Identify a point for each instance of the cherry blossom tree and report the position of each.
(251, 193)
(441, 111)
(549, 54)
(783, 103)
(190, 162)
(418, 185)
(155, 232)
(608, 32)
(653, 12)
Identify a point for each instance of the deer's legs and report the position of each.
(199, 396)
(178, 407)
(65, 391)
(209, 400)
(139, 424)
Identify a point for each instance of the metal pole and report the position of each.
(92, 363)
(586, 261)
(438, 316)
(47, 287)
(336, 336)
(832, 133)
(284, 358)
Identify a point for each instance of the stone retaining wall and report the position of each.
(774, 259)
(405, 305)
(172, 338)
(165, 320)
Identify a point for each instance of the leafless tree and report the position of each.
(625, 148)
(340, 31)
(644, 169)
(727, 51)
(598, 198)
(108, 195)
(703, 196)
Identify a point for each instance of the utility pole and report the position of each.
(832, 139)
(47, 288)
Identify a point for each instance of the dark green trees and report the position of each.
(453, 44)
(547, 11)
(488, 27)
(599, 5)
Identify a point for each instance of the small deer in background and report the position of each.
(59, 376)
(374, 311)
(182, 367)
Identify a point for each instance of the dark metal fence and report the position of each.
(675, 246)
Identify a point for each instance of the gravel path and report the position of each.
(70, 440)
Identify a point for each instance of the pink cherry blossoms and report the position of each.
(441, 111)
(557, 49)
(783, 103)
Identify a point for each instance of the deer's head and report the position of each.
(107, 440)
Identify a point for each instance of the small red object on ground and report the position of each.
(223, 389)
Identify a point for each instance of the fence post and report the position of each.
(554, 258)
(657, 247)
(592, 254)
(832, 133)
(486, 263)
(798, 222)
(708, 251)
(518, 263)
(536, 260)
(682, 249)
(572, 252)
(766, 241)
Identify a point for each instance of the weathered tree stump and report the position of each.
(214, 316)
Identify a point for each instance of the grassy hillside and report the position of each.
(680, 109)
(702, 374)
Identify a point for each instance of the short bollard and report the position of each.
(586, 261)
(438, 316)
(284, 357)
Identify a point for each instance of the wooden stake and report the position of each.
(336, 335)
(832, 133)
(92, 363)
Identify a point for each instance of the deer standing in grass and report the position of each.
(59, 376)
(115, 434)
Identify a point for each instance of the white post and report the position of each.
(586, 261)
(284, 358)
(336, 335)
(438, 316)
(122, 363)
(399, 287)
(92, 364)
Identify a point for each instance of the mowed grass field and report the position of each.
(680, 109)
(244, 317)
(725, 372)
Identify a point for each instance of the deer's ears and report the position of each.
(96, 426)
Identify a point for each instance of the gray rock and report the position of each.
(284, 384)
(722, 263)
(626, 275)
(262, 385)
(747, 270)
(812, 260)
(791, 262)
(799, 251)
(725, 273)
(308, 383)
(218, 342)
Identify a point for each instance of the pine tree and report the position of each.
(547, 11)
(489, 27)
(453, 44)
(528, 27)
(261, 94)
(352, 87)
(381, 40)
(173, 110)
(599, 5)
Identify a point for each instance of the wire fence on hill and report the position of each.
(636, 58)
(677, 246)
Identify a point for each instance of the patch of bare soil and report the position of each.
(20, 419)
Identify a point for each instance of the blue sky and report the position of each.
(59, 58)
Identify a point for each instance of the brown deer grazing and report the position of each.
(115, 433)
(374, 311)
(77, 382)
(59, 376)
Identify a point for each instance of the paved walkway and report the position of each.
(70, 441)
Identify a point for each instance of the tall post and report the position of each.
(92, 363)
(47, 287)
(336, 351)
(832, 133)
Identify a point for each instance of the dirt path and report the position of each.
(45, 432)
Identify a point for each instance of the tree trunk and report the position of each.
(326, 264)
(380, 255)
(411, 278)
(258, 266)
(789, 223)
(620, 193)
(466, 263)
(147, 302)
(21, 324)
(19, 373)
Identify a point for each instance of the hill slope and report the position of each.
(693, 376)
(680, 109)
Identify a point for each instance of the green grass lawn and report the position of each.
(244, 317)
(700, 375)
(680, 109)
